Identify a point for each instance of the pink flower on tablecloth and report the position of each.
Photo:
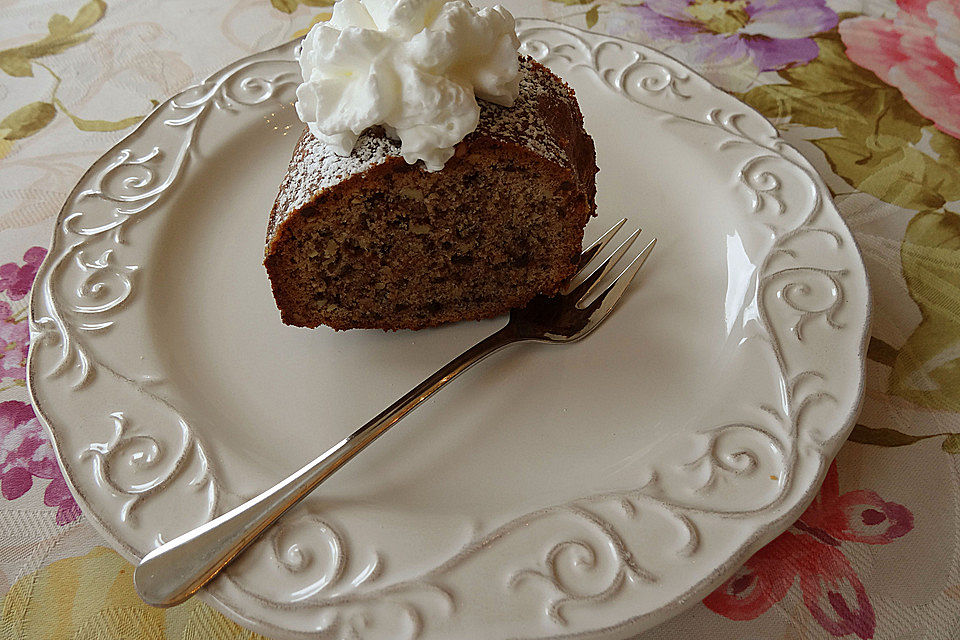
(917, 51)
(25, 454)
(772, 34)
(15, 279)
(812, 551)
(58, 495)
(14, 341)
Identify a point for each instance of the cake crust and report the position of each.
(368, 241)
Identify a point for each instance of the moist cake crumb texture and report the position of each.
(368, 241)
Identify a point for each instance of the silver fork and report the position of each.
(174, 571)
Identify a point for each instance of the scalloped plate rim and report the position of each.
(691, 596)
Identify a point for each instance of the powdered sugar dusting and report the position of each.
(522, 123)
(315, 167)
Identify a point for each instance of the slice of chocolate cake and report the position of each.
(369, 241)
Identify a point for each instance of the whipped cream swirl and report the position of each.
(415, 67)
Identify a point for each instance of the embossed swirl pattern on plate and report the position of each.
(121, 189)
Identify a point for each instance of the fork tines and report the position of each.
(582, 286)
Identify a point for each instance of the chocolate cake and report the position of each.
(369, 241)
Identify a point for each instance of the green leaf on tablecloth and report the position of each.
(104, 125)
(833, 91)
(58, 25)
(592, 16)
(876, 128)
(882, 437)
(14, 64)
(27, 120)
(945, 146)
(323, 16)
(289, 6)
(63, 34)
(927, 369)
(951, 444)
(101, 125)
(89, 14)
(5, 145)
(880, 351)
(893, 171)
(48, 46)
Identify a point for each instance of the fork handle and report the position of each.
(175, 570)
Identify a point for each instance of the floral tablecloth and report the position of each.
(868, 90)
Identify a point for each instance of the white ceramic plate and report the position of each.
(589, 490)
